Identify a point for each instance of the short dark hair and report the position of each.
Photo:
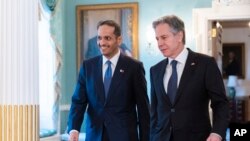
(174, 22)
(111, 23)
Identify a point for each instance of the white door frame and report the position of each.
(202, 18)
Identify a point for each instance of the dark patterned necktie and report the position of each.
(107, 78)
(172, 83)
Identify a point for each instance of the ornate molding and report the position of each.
(230, 2)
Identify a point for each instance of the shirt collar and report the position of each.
(113, 60)
(181, 58)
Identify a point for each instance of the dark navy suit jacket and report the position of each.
(125, 112)
(187, 119)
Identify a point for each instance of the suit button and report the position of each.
(170, 128)
(172, 110)
(106, 123)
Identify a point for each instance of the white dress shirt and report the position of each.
(113, 61)
(181, 61)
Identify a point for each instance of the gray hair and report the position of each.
(174, 22)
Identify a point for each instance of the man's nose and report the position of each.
(101, 42)
(160, 42)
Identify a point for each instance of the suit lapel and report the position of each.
(99, 82)
(189, 68)
(120, 69)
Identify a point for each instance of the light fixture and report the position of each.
(213, 34)
(150, 41)
(218, 25)
(231, 84)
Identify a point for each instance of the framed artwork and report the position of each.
(87, 17)
(233, 59)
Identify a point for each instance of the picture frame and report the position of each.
(238, 49)
(87, 17)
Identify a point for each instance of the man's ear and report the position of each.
(119, 40)
(180, 36)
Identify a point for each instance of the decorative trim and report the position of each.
(230, 2)
(19, 122)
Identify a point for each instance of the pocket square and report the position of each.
(121, 71)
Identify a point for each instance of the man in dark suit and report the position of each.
(115, 112)
(182, 86)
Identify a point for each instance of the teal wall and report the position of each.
(149, 10)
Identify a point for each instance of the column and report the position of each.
(19, 88)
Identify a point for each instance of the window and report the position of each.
(46, 74)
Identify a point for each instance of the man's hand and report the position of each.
(73, 136)
(214, 137)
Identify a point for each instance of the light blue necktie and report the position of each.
(172, 83)
(107, 78)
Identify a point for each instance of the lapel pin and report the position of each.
(192, 64)
(121, 71)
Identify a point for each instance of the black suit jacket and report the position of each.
(187, 119)
(126, 108)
